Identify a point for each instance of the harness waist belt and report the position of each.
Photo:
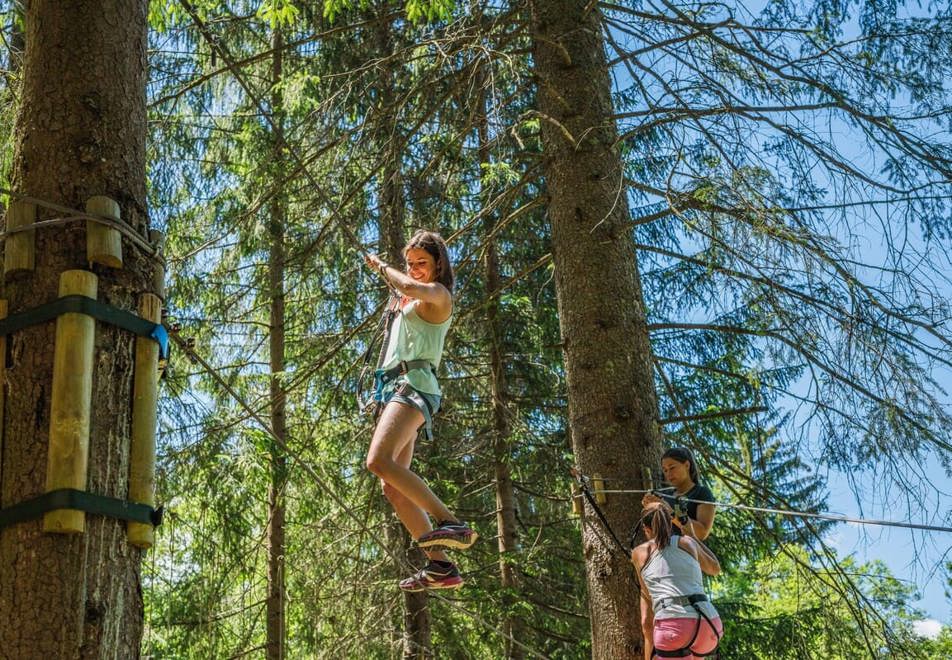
(682, 600)
(402, 367)
(686, 651)
(681, 653)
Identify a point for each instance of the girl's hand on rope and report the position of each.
(374, 262)
(686, 526)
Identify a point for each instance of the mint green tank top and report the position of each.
(412, 338)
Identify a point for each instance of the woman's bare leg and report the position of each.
(413, 517)
(395, 430)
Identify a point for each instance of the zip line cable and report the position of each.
(836, 517)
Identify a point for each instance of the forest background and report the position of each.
(786, 171)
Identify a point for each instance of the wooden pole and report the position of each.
(69, 407)
(18, 253)
(144, 403)
(103, 244)
(3, 378)
(599, 485)
(157, 239)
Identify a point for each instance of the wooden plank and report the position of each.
(103, 244)
(69, 408)
(19, 252)
(144, 410)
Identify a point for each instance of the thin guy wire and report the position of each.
(787, 512)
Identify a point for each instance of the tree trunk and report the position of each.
(613, 417)
(276, 508)
(502, 478)
(80, 132)
(416, 614)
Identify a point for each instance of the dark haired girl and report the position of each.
(677, 619)
(410, 400)
(680, 470)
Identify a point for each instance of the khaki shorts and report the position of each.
(428, 404)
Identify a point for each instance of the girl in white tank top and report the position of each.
(677, 620)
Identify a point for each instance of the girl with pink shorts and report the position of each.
(677, 619)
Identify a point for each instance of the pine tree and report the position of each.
(80, 132)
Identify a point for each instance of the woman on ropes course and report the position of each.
(680, 470)
(410, 395)
(677, 619)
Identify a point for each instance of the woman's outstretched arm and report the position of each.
(433, 293)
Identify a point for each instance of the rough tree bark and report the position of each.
(80, 132)
(613, 416)
(276, 508)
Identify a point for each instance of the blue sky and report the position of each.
(915, 557)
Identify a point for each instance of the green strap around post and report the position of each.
(94, 308)
(68, 498)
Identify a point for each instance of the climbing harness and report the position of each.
(384, 376)
(369, 402)
(686, 651)
(374, 402)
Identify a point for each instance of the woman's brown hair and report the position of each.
(435, 246)
(655, 517)
(684, 455)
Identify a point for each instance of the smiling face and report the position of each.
(421, 265)
(676, 473)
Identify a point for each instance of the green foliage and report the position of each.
(794, 607)
(278, 13)
(743, 238)
(940, 647)
(429, 10)
(418, 11)
(499, 174)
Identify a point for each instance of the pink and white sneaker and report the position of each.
(449, 534)
(433, 576)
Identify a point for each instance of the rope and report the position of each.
(598, 511)
(836, 517)
(74, 215)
